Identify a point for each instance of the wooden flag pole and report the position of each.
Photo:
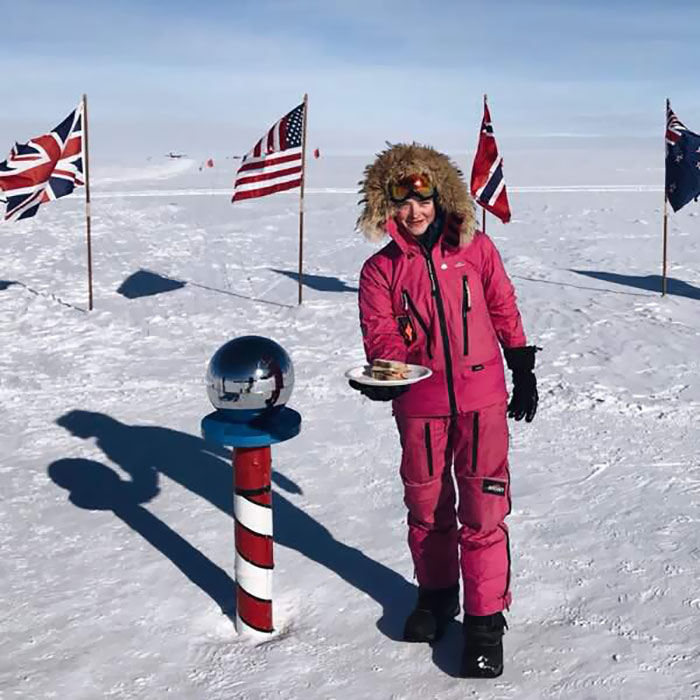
(301, 197)
(665, 259)
(663, 278)
(483, 211)
(86, 169)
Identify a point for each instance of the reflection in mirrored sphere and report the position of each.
(248, 376)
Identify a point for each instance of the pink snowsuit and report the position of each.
(449, 310)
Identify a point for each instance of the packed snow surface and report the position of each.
(116, 529)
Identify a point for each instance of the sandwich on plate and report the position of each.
(388, 370)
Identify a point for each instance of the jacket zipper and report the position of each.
(409, 306)
(466, 308)
(429, 449)
(505, 532)
(443, 331)
(475, 442)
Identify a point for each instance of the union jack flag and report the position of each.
(487, 184)
(682, 162)
(46, 168)
(274, 164)
(674, 127)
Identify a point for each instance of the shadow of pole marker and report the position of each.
(94, 486)
(144, 452)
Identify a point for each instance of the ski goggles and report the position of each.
(417, 185)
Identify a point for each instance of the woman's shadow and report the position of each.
(94, 486)
(204, 468)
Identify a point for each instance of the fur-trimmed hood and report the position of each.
(404, 159)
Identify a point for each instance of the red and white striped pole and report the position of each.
(252, 507)
(249, 381)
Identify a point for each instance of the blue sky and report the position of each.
(213, 76)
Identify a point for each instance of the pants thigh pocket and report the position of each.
(487, 447)
(483, 502)
(420, 461)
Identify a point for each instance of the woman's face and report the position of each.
(416, 216)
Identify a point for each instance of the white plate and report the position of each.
(361, 374)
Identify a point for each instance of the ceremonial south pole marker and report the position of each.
(249, 381)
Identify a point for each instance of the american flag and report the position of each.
(46, 168)
(487, 184)
(275, 163)
(682, 162)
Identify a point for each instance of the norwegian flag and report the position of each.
(46, 168)
(275, 163)
(682, 162)
(487, 184)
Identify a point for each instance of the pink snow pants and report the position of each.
(475, 447)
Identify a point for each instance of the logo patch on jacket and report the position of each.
(496, 488)
(408, 332)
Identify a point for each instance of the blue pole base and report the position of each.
(262, 431)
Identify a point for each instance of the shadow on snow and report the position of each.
(145, 282)
(94, 486)
(651, 283)
(6, 284)
(318, 282)
(145, 452)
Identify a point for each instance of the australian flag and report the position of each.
(682, 162)
(46, 168)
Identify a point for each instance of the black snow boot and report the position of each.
(434, 609)
(483, 646)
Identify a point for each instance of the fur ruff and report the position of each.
(403, 159)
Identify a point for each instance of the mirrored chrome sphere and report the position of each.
(248, 376)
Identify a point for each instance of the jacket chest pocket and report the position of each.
(466, 308)
(461, 290)
(411, 320)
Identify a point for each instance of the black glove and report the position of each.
(378, 393)
(523, 401)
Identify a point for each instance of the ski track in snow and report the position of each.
(118, 593)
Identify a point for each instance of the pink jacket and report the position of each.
(447, 310)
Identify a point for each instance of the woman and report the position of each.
(438, 295)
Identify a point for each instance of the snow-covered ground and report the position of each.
(115, 520)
